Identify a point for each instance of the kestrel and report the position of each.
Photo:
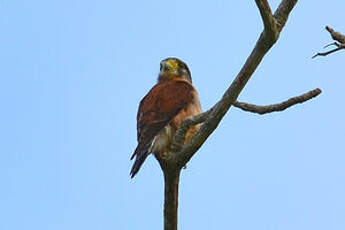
(163, 109)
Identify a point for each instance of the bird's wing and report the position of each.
(163, 102)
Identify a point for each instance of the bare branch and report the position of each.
(283, 11)
(181, 153)
(185, 125)
(262, 46)
(279, 106)
(171, 183)
(340, 47)
(338, 37)
(190, 121)
(332, 44)
(267, 18)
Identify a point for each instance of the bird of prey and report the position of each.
(163, 109)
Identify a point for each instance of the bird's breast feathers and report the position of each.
(163, 139)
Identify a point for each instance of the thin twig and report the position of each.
(340, 47)
(340, 42)
(279, 106)
(332, 44)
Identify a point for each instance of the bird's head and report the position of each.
(171, 68)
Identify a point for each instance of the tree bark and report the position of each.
(172, 162)
(171, 183)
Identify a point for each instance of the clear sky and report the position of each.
(72, 75)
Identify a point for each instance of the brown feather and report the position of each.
(168, 102)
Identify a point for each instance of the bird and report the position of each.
(161, 111)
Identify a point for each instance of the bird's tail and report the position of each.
(141, 154)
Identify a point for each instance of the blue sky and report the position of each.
(73, 73)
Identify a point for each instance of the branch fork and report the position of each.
(270, 23)
(181, 153)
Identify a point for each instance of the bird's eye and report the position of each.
(161, 66)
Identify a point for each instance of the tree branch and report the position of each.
(340, 47)
(180, 154)
(283, 11)
(194, 120)
(171, 183)
(267, 18)
(337, 37)
(181, 132)
(264, 43)
(279, 106)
